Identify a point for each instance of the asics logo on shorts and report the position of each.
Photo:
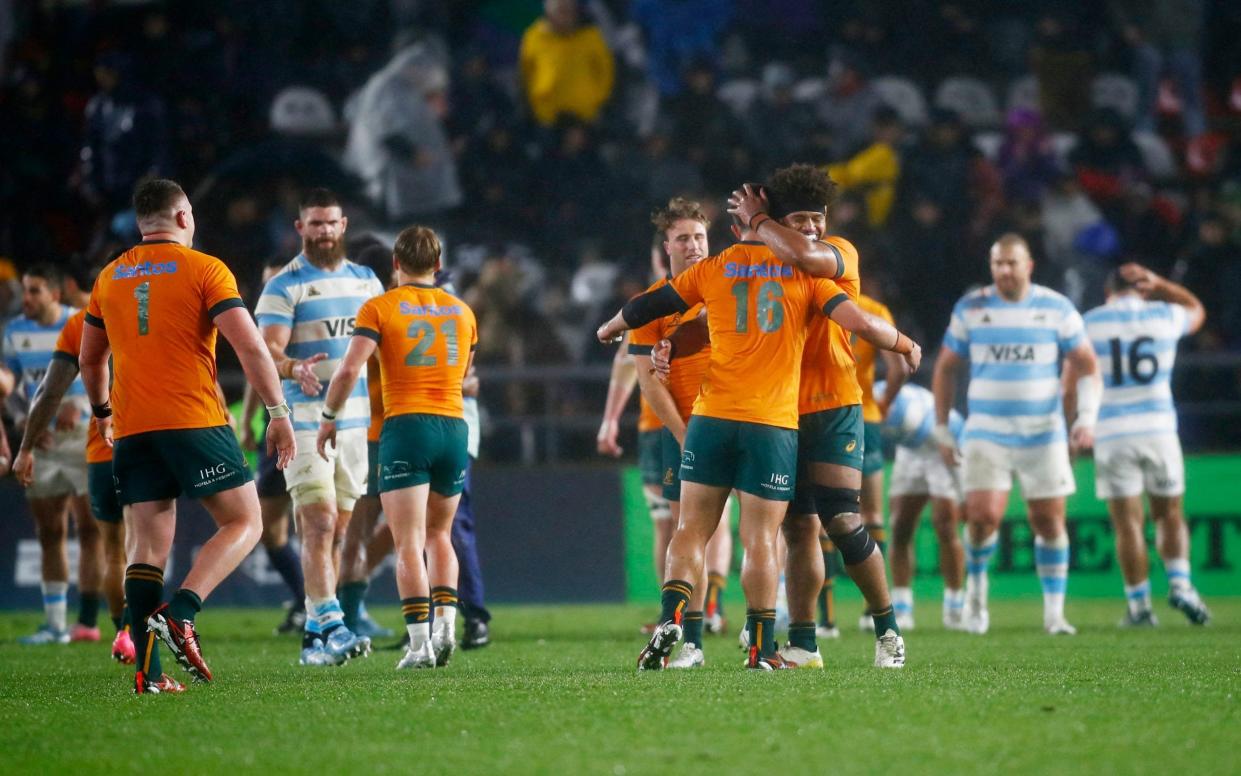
(849, 448)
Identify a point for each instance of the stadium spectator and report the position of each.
(1106, 160)
(126, 135)
(849, 103)
(397, 143)
(1165, 34)
(678, 33)
(947, 169)
(779, 128)
(1212, 265)
(875, 169)
(706, 131)
(1026, 159)
(566, 66)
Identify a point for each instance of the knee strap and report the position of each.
(657, 506)
(829, 502)
(855, 546)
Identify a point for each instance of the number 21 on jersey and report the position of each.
(425, 333)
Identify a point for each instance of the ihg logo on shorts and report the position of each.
(778, 482)
(212, 473)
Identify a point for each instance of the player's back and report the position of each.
(1014, 351)
(69, 348)
(829, 372)
(758, 310)
(1136, 340)
(865, 355)
(911, 415)
(157, 302)
(426, 336)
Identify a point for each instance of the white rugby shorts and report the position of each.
(1043, 471)
(61, 470)
(1137, 464)
(341, 479)
(922, 472)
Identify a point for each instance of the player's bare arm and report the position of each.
(878, 332)
(276, 336)
(620, 387)
(238, 328)
(944, 386)
(1083, 391)
(93, 362)
(896, 376)
(1152, 286)
(641, 310)
(46, 405)
(360, 350)
(790, 245)
(658, 396)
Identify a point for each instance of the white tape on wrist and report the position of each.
(1088, 396)
(280, 410)
(943, 435)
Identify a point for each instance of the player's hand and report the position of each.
(327, 436)
(304, 374)
(1081, 439)
(280, 441)
(605, 442)
(104, 425)
(745, 203)
(23, 467)
(1141, 278)
(6, 454)
(947, 443)
(661, 359)
(470, 386)
(67, 417)
(913, 359)
(610, 332)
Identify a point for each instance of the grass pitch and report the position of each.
(557, 693)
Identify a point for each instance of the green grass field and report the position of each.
(557, 693)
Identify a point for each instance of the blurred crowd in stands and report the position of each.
(539, 136)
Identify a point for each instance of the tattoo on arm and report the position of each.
(60, 375)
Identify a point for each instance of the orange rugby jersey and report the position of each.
(688, 368)
(758, 310)
(156, 302)
(374, 391)
(426, 338)
(69, 347)
(828, 373)
(866, 354)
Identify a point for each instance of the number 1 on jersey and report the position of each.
(142, 292)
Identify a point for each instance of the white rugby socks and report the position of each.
(1051, 559)
(55, 602)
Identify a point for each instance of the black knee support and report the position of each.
(855, 546)
(829, 502)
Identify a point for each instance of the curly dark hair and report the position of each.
(800, 187)
(679, 208)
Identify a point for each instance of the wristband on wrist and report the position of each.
(278, 411)
(102, 410)
(762, 218)
(942, 435)
(328, 415)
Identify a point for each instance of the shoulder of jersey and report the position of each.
(977, 297)
(1043, 292)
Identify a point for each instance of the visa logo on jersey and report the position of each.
(430, 309)
(734, 270)
(340, 327)
(1012, 353)
(146, 268)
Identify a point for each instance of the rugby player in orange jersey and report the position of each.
(156, 309)
(425, 339)
(743, 431)
(830, 431)
(683, 227)
(61, 373)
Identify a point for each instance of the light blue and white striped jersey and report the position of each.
(1014, 350)
(28, 348)
(1135, 341)
(320, 308)
(911, 416)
